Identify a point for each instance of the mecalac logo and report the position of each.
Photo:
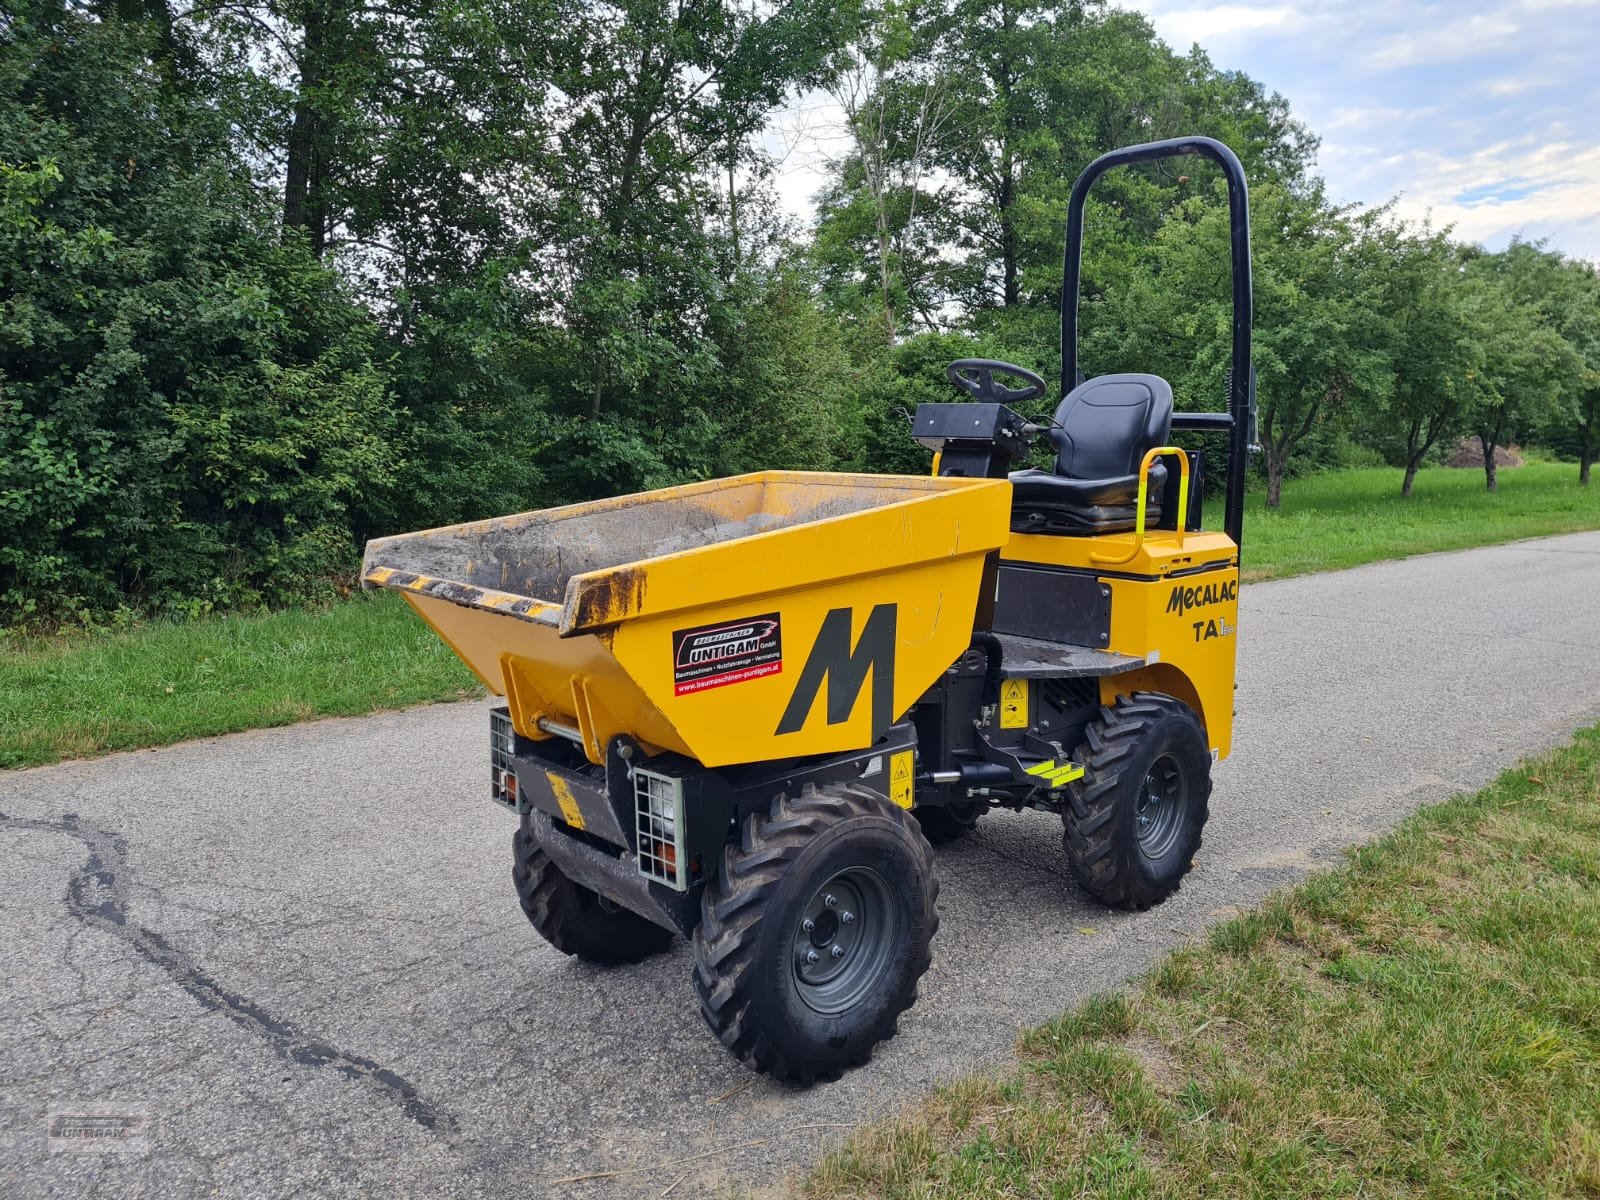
(1201, 594)
(845, 670)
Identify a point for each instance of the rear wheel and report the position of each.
(815, 932)
(573, 918)
(943, 823)
(1133, 822)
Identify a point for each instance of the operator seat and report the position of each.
(1103, 430)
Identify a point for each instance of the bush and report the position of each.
(189, 407)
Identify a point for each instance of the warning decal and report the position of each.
(712, 656)
(1014, 704)
(900, 784)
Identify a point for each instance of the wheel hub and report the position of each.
(1158, 815)
(843, 941)
(824, 929)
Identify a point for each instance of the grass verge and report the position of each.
(1423, 1021)
(1346, 518)
(164, 681)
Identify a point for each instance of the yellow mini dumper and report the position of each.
(741, 710)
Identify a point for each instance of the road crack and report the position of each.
(97, 896)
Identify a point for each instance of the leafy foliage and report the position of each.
(188, 409)
(1317, 350)
(280, 275)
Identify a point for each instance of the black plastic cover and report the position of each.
(939, 426)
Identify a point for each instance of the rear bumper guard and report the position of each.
(524, 782)
(615, 876)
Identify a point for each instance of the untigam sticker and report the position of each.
(711, 656)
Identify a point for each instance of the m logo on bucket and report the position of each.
(845, 670)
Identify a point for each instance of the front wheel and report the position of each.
(1133, 821)
(815, 932)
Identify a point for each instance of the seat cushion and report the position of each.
(1044, 502)
(1105, 425)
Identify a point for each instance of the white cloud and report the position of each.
(1543, 6)
(1447, 40)
(1182, 27)
(1512, 87)
(1529, 190)
(1479, 112)
(1375, 117)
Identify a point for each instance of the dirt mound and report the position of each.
(1468, 452)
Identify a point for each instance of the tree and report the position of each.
(1020, 111)
(785, 373)
(1027, 92)
(1590, 431)
(897, 110)
(1316, 346)
(190, 411)
(1433, 359)
(1524, 360)
(1583, 332)
(407, 146)
(1568, 296)
(654, 96)
(403, 137)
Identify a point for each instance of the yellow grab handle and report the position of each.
(1144, 493)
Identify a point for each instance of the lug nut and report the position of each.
(846, 917)
(807, 925)
(830, 901)
(837, 951)
(812, 956)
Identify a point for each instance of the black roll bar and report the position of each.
(1241, 389)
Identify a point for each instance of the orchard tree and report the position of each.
(1577, 300)
(1583, 332)
(1433, 357)
(1567, 294)
(1524, 361)
(1317, 345)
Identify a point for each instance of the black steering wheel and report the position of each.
(976, 377)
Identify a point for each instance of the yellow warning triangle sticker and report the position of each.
(1013, 690)
(902, 768)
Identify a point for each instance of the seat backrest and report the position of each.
(1106, 424)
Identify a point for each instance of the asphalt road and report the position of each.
(297, 951)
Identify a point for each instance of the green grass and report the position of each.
(1346, 518)
(162, 682)
(157, 683)
(1424, 1021)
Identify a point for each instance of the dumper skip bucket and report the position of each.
(760, 617)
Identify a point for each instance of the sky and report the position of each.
(1480, 114)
